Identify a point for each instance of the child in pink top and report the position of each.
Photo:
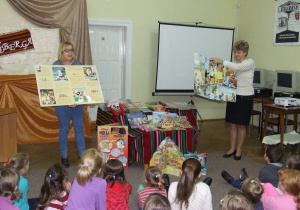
(289, 184)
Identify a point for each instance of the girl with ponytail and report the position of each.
(88, 191)
(188, 193)
(55, 190)
(117, 190)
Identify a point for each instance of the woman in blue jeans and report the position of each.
(66, 56)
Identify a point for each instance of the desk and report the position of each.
(8, 133)
(143, 144)
(281, 111)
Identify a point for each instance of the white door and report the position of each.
(107, 45)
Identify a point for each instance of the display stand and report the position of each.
(142, 144)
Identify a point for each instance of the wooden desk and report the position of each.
(281, 111)
(8, 133)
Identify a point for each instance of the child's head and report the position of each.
(289, 181)
(9, 179)
(114, 171)
(236, 199)
(273, 154)
(54, 185)
(293, 161)
(156, 201)
(153, 177)
(91, 162)
(253, 189)
(190, 171)
(19, 161)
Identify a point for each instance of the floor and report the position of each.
(213, 136)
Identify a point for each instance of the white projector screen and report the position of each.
(177, 44)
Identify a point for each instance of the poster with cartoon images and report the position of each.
(212, 81)
(67, 85)
(113, 142)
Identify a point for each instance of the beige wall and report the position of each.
(145, 15)
(256, 25)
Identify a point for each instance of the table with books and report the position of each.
(148, 125)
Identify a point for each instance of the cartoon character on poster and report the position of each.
(123, 160)
(121, 144)
(105, 145)
(115, 152)
(59, 74)
(106, 157)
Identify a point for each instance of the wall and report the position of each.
(145, 16)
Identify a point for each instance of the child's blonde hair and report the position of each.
(156, 201)
(91, 162)
(253, 188)
(236, 199)
(9, 179)
(153, 176)
(18, 161)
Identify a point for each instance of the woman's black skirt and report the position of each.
(239, 112)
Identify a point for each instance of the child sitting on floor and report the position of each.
(117, 190)
(20, 161)
(154, 184)
(293, 161)
(88, 191)
(236, 199)
(157, 201)
(9, 179)
(55, 190)
(187, 193)
(268, 174)
(289, 184)
(253, 188)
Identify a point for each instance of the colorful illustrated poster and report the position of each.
(113, 142)
(67, 85)
(287, 22)
(212, 81)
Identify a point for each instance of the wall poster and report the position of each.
(212, 81)
(67, 85)
(287, 23)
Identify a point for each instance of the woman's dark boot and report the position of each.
(65, 162)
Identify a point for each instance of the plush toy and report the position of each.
(114, 106)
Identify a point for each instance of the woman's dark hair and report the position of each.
(114, 172)
(191, 168)
(53, 185)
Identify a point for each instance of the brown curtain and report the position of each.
(34, 123)
(70, 16)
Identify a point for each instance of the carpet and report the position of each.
(134, 175)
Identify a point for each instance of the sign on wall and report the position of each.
(287, 22)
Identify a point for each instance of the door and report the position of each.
(107, 46)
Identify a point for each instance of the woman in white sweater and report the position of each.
(238, 113)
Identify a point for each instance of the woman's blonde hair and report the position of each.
(253, 188)
(91, 162)
(18, 161)
(236, 199)
(61, 49)
(9, 179)
(241, 45)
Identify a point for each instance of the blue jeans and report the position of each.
(237, 183)
(63, 114)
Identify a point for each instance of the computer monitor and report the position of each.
(259, 78)
(286, 81)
